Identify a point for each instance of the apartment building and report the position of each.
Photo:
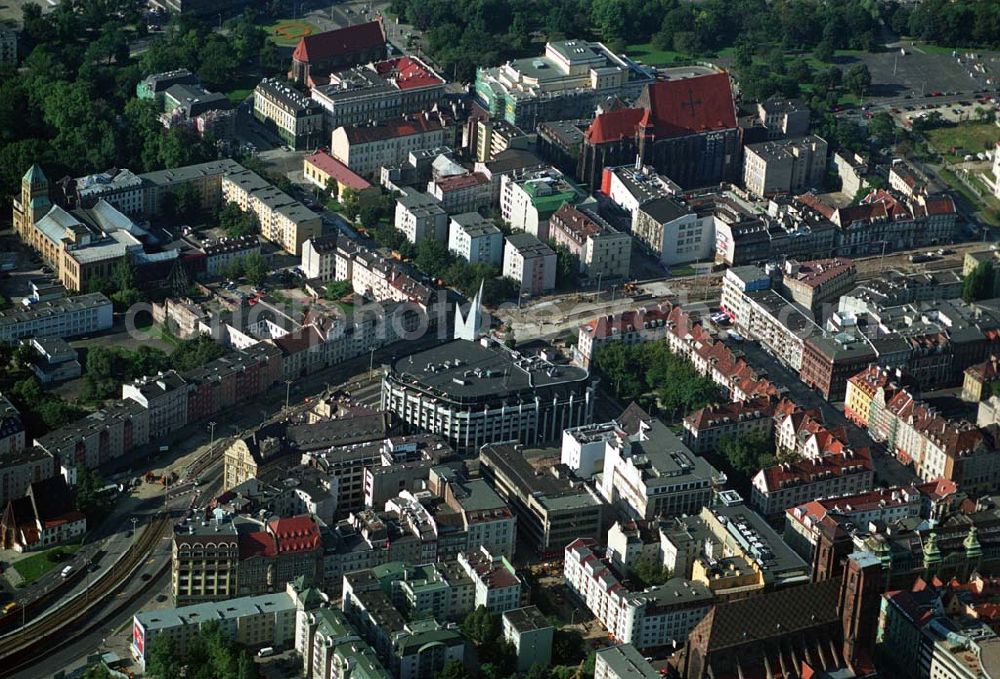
(705, 428)
(378, 91)
(252, 621)
(786, 166)
(165, 396)
(498, 587)
(818, 282)
(97, 438)
(531, 633)
(475, 239)
(365, 149)
(784, 118)
(629, 186)
(623, 661)
(19, 469)
(838, 471)
(529, 262)
(462, 193)
(326, 172)
(603, 251)
(420, 216)
(673, 231)
(64, 317)
(649, 472)
(529, 199)
(298, 120)
(283, 221)
(805, 523)
(319, 258)
(11, 426)
(655, 617)
(552, 507)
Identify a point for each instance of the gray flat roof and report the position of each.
(527, 619)
(221, 610)
(461, 368)
(627, 663)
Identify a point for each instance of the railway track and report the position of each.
(21, 647)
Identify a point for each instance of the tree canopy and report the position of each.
(979, 283)
(649, 373)
(748, 453)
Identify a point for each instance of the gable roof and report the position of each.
(672, 108)
(320, 46)
(690, 105)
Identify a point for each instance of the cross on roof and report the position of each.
(691, 102)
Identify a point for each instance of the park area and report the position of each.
(288, 32)
(35, 566)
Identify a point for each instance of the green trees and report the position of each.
(208, 655)
(107, 367)
(567, 266)
(979, 283)
(335, 290)
(649, 373)
(41, 411)
(649, 571)
(483, 629)
(748, 453)
(956, 23)
(88, 492)
(235, 222)
(858, 79)
(196, 352)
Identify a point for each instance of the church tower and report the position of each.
(470, 327)
(34, 203)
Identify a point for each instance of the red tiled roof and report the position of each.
(399, 127)
(300, 340)
(295, 534)
(461, 181)
(339, 42)
(342, 174)
(410, 72)
(614, 125)
(602, 326)
(674, 108)
(802, 471)
(691, 105)
(257, 543)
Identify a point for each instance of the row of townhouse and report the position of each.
(918, 435)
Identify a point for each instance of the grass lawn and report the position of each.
(37, 565)
(970, 137)
(683, 270)
(288, 32)
(651, 56)
(238, 95)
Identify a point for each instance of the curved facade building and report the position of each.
(474, 393)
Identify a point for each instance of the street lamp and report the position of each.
(134, 522)
(371, 365)
(288, 387)
(211, 427)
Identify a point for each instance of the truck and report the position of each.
(266, 651)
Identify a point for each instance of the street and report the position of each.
(887, 468)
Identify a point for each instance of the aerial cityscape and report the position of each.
(500, 339)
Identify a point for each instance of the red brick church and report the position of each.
(686, 129)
